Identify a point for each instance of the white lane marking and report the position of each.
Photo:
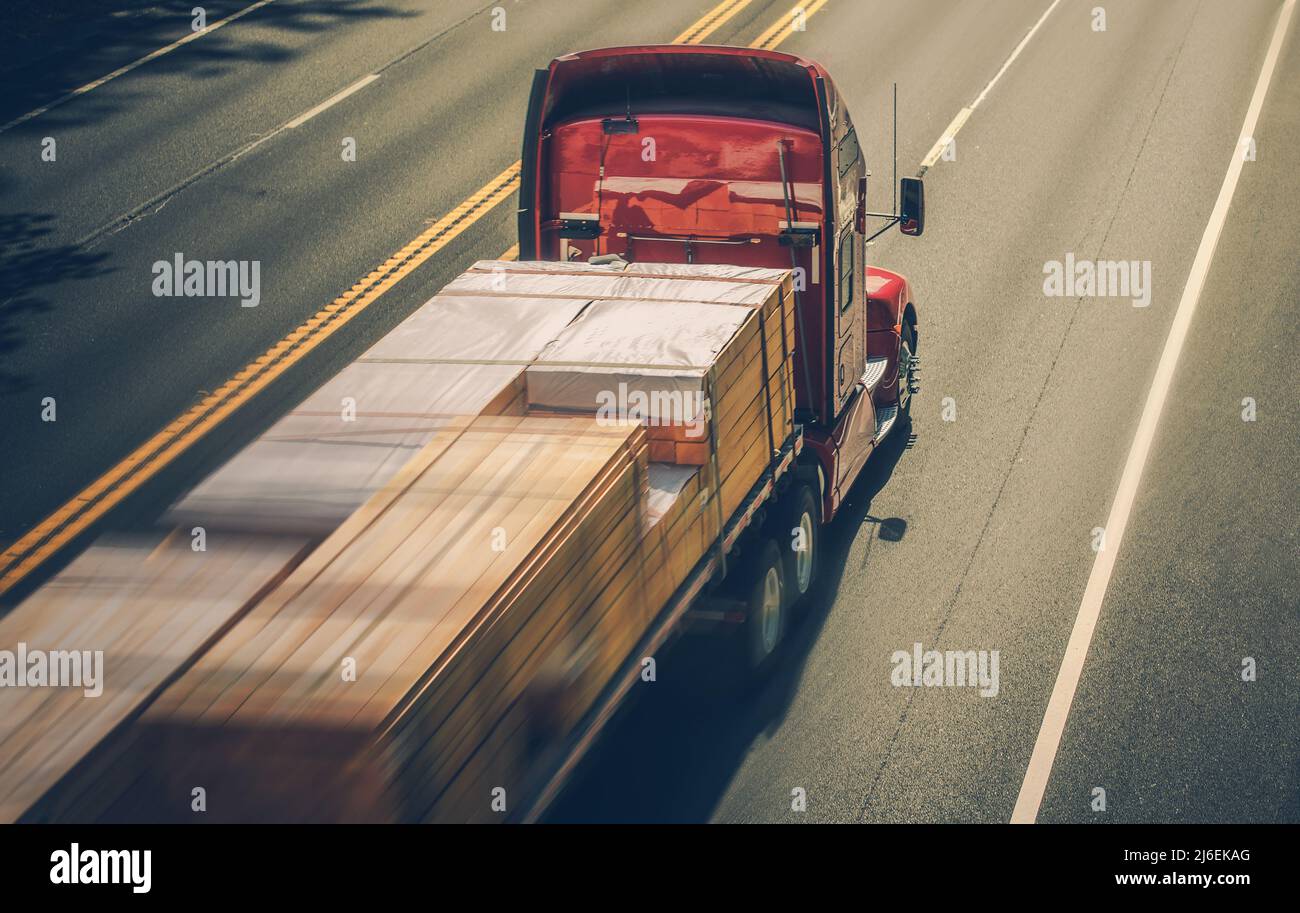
(1067, 680)
(937, 150)
(152, 55)
(158, 201)
(331, 101)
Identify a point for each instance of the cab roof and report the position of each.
(683, 79)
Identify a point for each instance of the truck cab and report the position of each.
(719, 155)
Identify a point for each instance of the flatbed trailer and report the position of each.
(301, 497)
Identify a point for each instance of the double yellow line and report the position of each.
(711, 21)
(77, 515)
(793, 21)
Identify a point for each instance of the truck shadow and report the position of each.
(672, 751)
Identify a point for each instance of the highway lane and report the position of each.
(1101, 144)
(441, 122)
(1208, 575)
(1107, 145)
(140, 135)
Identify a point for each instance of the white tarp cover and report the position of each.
(759, 275)
(312, 468)
(635, 285)
(617, 349)
(665, 481)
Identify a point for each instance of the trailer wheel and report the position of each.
(797, 527)
(765, 608)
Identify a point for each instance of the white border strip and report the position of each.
(152, 55)
(1067, 680)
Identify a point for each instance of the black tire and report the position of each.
(906, 349)
(765, 611)
(798, 510)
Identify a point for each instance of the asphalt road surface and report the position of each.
(1094, 144)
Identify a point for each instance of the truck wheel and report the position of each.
(765, 608)
(797, 528)
(906, 352)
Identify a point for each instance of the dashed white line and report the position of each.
(957, 122)
(158, 201)
(331, 101)
(152, 55)
(1067, 679)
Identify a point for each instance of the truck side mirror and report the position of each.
(912, 209)
(860, 217)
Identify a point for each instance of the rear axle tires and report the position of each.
(763, 592)
(796, 527)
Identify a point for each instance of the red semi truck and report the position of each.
(698, 154)
(644, 155)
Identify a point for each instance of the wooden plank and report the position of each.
(349, 699)
(392, 561)
(435, 643)
(254, 711)
(196, 692)
(606, 623)
(540, 574)
(163, 612)
(559, 621)
(393, 518)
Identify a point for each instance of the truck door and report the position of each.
(846, 167)
(848, 294)
(855, 423)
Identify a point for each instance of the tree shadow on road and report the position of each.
(48, 50)
(26, 267)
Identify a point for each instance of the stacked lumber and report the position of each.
(679, 527)
(669, 329)
(151, 608)
(753, 411)
(488, 548)
(472, 663)
(680, 443)
(486, 595)
(652, 354)
(669, 332)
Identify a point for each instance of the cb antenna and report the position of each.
(895, 147)
(893, 217)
